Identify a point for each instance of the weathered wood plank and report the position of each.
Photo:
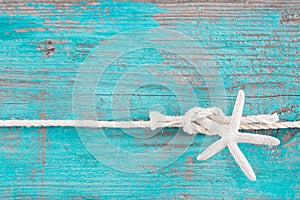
(253, 44)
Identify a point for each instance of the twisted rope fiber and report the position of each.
(196, 120)
(126, 124)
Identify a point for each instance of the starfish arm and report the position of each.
(212, 150)
(257, 139)
(237, 112)
(242, 161)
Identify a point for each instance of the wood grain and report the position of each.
(253, 45)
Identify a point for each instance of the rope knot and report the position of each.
(196, 120)
(193, 121)
(204, 120)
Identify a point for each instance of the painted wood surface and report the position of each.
(251, 45)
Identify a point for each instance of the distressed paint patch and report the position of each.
(257, 55)
(70, 171)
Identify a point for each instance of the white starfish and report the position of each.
(230, 136)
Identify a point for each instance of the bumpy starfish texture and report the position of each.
(230, 136)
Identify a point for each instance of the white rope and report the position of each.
(196, 120)
(278, 125)
(128, 124)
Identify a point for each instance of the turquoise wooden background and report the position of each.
(254, 46)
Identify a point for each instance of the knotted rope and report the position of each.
(195, 120)
(199, 120)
